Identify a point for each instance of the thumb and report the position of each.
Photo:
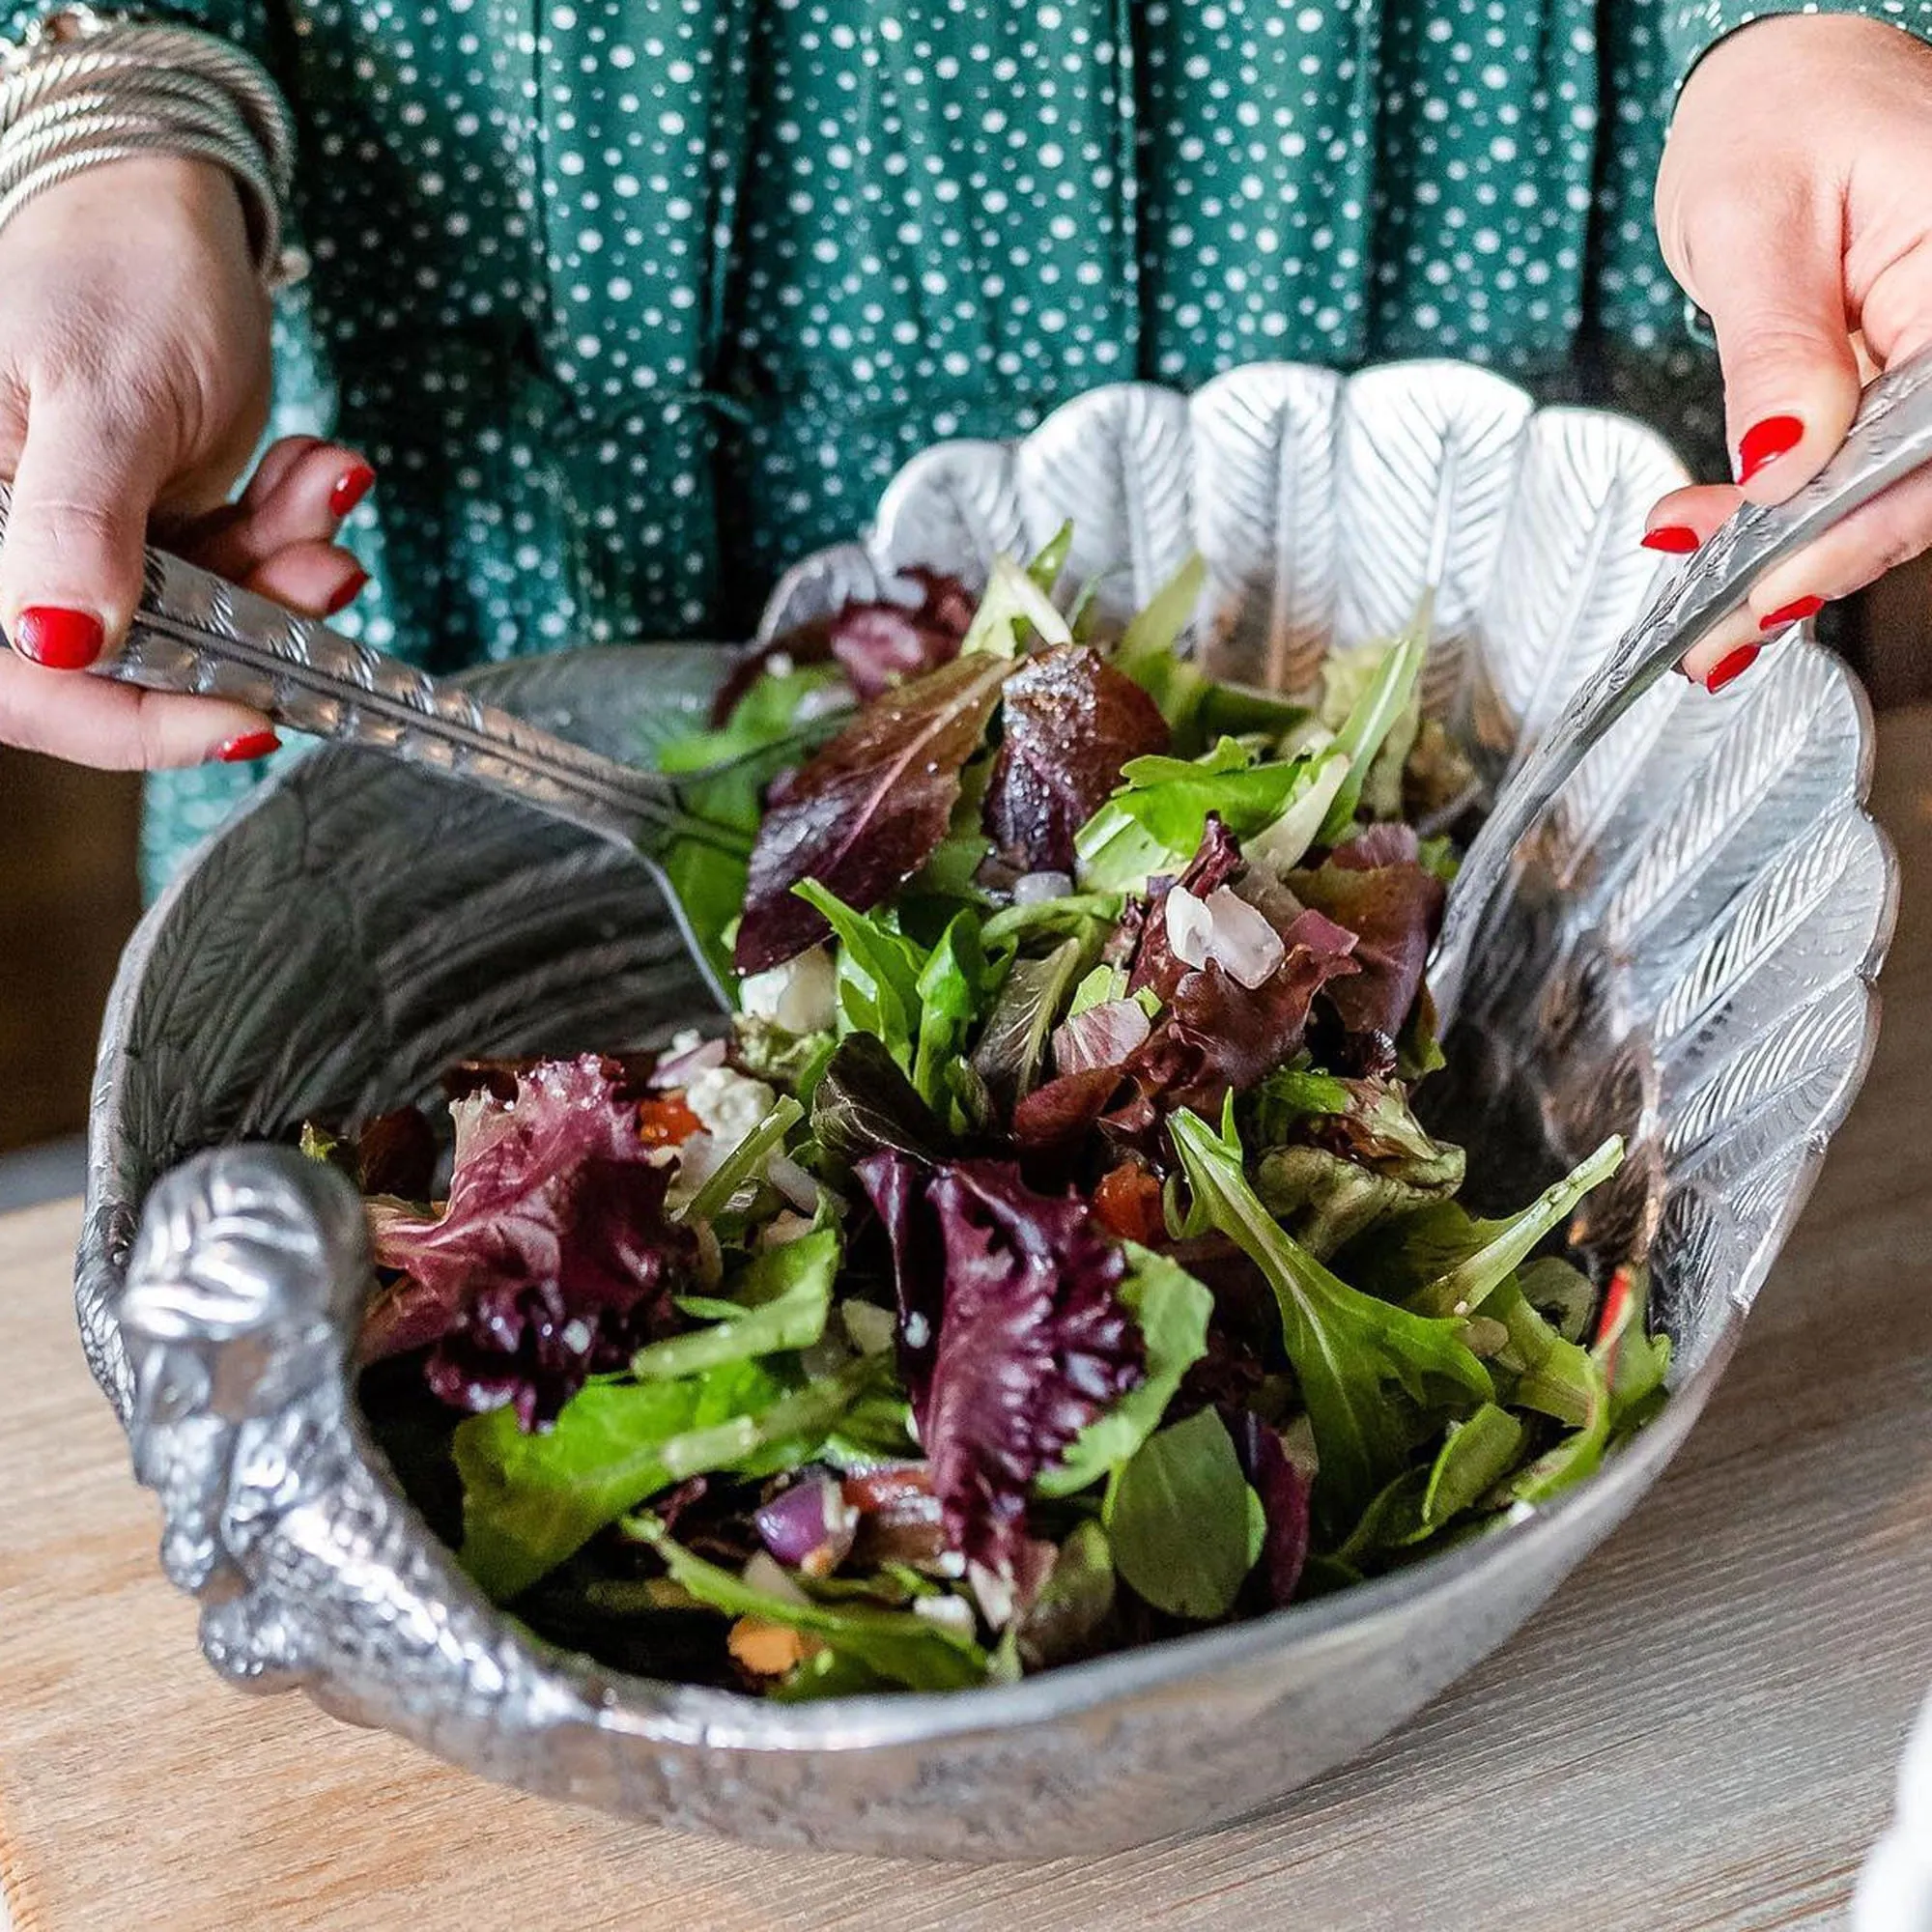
(1768, 269)
(72, 564)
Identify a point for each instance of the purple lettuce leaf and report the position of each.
(1284, 1492)
(867, 811)
(1032, 1343)
(870, 651)
(553, 1259)
(1070, 722)
(1218, 1036)
(881, 645)
(1393, 905)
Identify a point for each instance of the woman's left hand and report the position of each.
(1793, 206)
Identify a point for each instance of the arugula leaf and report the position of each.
(1347, 1347)
(1502, 1246)
(1013, 1046)
(1182, 1521)
(898, 1645)
(1153, 824)
(1390, 693)
(1476, 1456)
(878, 972)
(745, 1160)
(783, 1296)
(1013, 598)
(1173, 1310)
(1149, 652)
(952, 985)
(530, 1501)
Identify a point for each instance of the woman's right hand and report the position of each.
(134, 386)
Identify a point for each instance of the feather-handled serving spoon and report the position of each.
(197, 636)
(1891, 437)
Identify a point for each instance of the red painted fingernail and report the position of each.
(347, 595)
(1678, 539)
(247, 749)
(1735, 666)
(1792, 613)
(349, 490)
(60, 639)
(1765, 441)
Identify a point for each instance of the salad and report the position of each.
(1048, 1255)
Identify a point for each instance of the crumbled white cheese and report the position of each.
(948, 1612)
(728, 1104)
(797, 996)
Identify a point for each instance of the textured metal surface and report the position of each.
(1685, 958)
(1891, 437)
(196, 636)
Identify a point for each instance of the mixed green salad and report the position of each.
(1048, 1255)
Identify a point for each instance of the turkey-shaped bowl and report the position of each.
(1686, 958)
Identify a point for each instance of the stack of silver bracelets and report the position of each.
(82, 90)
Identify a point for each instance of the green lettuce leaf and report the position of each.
(1154, 823)
(530, 1501)
(782, 1300)
(1388, 697)
(1184, 1527)
(1350, 1351)
(897, 1645)
(1173, 1310)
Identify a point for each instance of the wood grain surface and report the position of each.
(1700, 1731)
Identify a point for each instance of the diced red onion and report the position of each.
(1104, 1036)
(684, 1063)
(1225, 929)
(810, 1526)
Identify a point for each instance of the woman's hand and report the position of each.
(1793, 206)
(133, 385)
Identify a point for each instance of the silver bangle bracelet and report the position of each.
(82, 91)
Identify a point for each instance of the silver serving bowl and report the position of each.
(1687, 959)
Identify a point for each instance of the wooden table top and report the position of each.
(1700, 1731)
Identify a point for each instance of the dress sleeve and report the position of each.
(1692, 28)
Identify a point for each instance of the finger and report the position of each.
(1686, 518)
(90, 720)
(1726, 652)
(1767, 265)
(1890, 529)
(317, 578)
(71, 569)
(298, 497)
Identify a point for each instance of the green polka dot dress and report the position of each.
(630, 301)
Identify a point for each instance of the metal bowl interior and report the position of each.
(1687, 959)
